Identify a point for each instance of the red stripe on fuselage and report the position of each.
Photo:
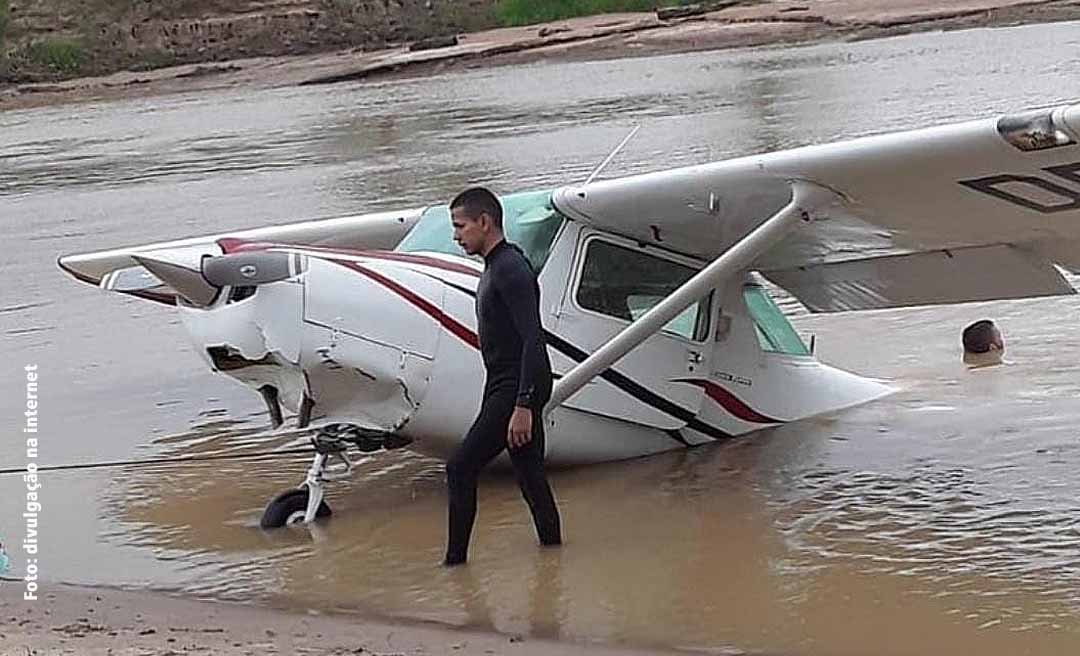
(426, 306)
(730, 402)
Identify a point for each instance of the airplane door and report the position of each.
(613, 282)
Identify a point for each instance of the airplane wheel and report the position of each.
(289, 508)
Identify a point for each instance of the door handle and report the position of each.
(693, 357)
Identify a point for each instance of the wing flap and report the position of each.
(981, 273)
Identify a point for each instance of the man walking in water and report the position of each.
(518, 376)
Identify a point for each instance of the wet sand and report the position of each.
(96, 622)
(608, 36)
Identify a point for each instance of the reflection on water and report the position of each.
(942, 519)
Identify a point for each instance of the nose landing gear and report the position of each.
(305, 504)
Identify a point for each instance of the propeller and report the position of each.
(201, 282)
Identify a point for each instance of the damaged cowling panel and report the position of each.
(368, 344)
(256, 341)
(227, 360)
(347, 339)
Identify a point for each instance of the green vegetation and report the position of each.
(63, 57)
(527, 12)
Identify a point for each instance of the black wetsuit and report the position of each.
(518, 374)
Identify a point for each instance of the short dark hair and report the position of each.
(979, 336)
(477, 200)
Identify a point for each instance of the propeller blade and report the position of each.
(187, 282)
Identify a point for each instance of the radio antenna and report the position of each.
(626, 139)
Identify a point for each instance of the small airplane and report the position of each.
(660, 331)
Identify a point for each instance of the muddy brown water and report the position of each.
(941, 519)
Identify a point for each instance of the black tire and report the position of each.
(288, 504)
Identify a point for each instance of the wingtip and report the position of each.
(66, 264)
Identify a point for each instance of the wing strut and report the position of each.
(805, 197)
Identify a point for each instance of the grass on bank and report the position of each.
(57, 55)
(512, 13)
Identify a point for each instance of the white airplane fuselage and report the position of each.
(388, 340)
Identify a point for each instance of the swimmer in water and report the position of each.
(983, 344)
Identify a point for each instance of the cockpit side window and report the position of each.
(774, 332)
(529, 220)
(626, 283)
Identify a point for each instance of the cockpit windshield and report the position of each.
(529, 220)
(775, 334)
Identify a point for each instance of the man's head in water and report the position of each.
(476, 216)
(983, 344)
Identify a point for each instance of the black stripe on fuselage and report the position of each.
(634, 389)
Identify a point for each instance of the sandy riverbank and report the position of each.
(598, 37)
(105, 622)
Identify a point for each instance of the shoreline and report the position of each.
(92, 621)
(602, 37)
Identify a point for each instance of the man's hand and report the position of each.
(519, 432)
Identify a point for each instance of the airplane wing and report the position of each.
(136, 270)
(973, 211)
